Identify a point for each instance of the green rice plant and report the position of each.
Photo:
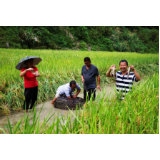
(138, 113)
(135, 114)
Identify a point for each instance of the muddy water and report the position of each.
(48, 108)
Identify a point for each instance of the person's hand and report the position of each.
(82, 80)
(29, 69)
(111, 68)
(74, 96)
(36, 74)
(132, 67)
(98, 87)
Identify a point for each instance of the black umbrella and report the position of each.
(22, 64)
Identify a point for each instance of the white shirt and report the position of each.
(66, 89)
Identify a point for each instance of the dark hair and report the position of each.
(123, 61)
(87, 59)
(72, 82)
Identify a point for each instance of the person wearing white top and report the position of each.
(67, 89)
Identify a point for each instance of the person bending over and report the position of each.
(67, 90)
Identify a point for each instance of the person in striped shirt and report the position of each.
(123, 82)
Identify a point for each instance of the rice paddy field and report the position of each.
(138, 113)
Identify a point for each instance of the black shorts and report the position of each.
(88, 94)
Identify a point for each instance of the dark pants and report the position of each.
(30, 97)
(90, 92)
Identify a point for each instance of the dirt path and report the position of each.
(48, 108)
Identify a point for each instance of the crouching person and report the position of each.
(67, 90)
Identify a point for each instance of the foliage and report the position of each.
(83, 46)
(103, 38)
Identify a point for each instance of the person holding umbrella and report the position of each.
(29, 72)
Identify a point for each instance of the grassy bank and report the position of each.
(59, 67)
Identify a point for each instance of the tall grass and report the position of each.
(137, 114)
(59, 67)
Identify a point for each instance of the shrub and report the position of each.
(52, 45)
(18, 45)
(2, 45)
(152, 50)
(25, 46)
(83, 46)
(111, 48)
(95, 48)
(43, 47)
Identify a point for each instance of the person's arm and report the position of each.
(108, 73)
(98, 81)
(24, 72)
(36, 74)
(67, 94)
(138, 78)
(82, 78)
(78, 91)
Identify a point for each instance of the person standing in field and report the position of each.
(124, 78)
(88, 76)
(30, 83)
(67, 90)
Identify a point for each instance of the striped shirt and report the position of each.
(124, 85)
